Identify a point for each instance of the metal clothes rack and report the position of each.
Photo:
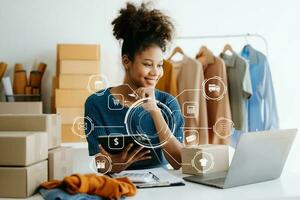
(245, 36)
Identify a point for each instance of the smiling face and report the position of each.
(146, 68)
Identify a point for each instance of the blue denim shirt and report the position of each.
(262, 109)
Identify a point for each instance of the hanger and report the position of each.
(207, 54)
(226, 48)
(176, 50)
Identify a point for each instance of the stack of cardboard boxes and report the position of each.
(77, 77)
(26, 142)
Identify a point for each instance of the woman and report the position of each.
(145, 33)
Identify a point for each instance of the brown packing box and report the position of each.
(22, 148)
(22, 182)
(205, 159)
(71, 97)
(87, 67)
(21, 107)
(80, 82)
(55, 85)
(60, 163)
(50, 123)
(53, 108)
(68, 135)
(78, 52)
(69, 114)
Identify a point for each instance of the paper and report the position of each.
(162, 177)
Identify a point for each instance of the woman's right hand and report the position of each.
(125, 158)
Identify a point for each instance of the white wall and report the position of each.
(30, 30)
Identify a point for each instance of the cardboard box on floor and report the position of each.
(22, 182)
(80, 82)
(60, 163)
(205, 159)
(79, 67)
(21, 107)
(70, 135)
(68, 115)
(71, 97)
(78, 52)
(50, 123)
(22, 148)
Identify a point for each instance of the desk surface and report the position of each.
(286, 187)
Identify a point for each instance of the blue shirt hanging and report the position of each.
(262, 109)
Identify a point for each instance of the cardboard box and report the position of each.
(50, 123)
(60, 163)
(69, 114)
(21, 107)
(205, 159)
(22, 182)
(87, 67)
(71, 97)
(22, 148)
(69, 135)
(53, 108)
(78, 52)
(80, 82)
(55, 85)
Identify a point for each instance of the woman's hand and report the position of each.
(148, 92)
(124, 159)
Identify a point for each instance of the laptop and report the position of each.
(259, 156)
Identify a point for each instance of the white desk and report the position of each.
(285, 188)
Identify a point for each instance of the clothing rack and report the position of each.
(245, 36)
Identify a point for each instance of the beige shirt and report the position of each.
(218, 105)
(189, 73)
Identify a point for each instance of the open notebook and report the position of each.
(147, 178)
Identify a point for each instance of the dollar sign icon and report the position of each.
(116, 142)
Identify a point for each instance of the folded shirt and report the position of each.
(93, 184)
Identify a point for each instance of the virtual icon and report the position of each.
(82, 126)
(191, 138)
(115, 142)
(213, 88)
(203, 162)
(100, 164)
(190, 109)
(98, 85)
(115, 103)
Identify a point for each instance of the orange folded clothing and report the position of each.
(93, 184)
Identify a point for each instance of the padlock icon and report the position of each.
(100, 164)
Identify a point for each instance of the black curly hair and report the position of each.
(141, 27)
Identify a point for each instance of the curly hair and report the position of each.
(141, 27)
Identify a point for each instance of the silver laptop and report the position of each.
(259, 156)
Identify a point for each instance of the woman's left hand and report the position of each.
(148, 92)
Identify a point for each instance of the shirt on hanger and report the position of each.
(239, 88)
(189, 75)
(168, 82)
(218, 105)
(262, 109)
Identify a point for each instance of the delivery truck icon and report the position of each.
(213, 88)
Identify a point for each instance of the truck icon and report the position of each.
(213, 88)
